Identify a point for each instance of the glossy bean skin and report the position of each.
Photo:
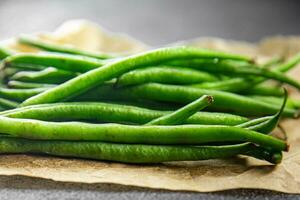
(264, 90)
(165, 74)
(28, 85)
(109, 112)
(223, 101)
(49, 75)
(182, 114)
(93, 78)
(60, 61)
(25, 66)
(8, 104)
(237, 85)
(61, 48)
(231, 68)
(266, 124)
(254, 122)
(240, 85)
(4, 53)
(19, 94)
(230, 85)
(291, 63)
(132, 134)
(133, 153)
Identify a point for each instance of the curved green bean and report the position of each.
(180, 115)
(266, 126)
(132, 134)
(61, 48)
(134, 153)
(93, 78)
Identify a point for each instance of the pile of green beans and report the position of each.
(168, 104)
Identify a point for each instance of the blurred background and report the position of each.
(158, 22)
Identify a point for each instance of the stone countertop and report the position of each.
(155, 22)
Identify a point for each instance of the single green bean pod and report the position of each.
(165, 74)
(134, 153)
(61, 48)
(180, 115)
(65, 62)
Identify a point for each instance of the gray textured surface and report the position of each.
(156, 22)
(29, 188)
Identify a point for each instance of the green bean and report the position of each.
(133, 153)
(165, 74)
(268, 125)
(273, 62)
(19, 94)
(292, 62)
(240, 84)
(93, 78)
(264, 90)
(27, 85)
(294, 102)
(108, 112)
(7, 104)
(250, 123)
(231, 68)
(60, 61)
(4, 53)
(224, 101)
(180, 115)
(25, 67)
(133, 134)
(49, 75)
(230, 85)
(61, 48)
(291, 103)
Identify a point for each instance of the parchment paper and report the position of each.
(201, 176)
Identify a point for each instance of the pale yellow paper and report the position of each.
(204, 176)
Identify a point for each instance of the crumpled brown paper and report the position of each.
(201, 176)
